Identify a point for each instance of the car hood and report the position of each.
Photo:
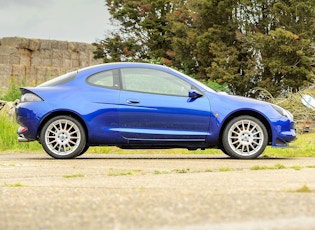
(234, 98)
(225, 104)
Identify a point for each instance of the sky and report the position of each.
(66, 20)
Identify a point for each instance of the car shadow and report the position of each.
(210, 157)
(155, 157)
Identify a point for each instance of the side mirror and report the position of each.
(194, 94)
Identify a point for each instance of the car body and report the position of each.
(138, 105)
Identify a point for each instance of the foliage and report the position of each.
(143, 32)
(303, 189)
(303, 146)
(242, 43)
(13, 92)
(8, 136)
(286, 61)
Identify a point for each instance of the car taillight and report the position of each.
(30, 97)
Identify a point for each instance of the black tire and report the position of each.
(84, 150)
(244, 137)
(63, 137)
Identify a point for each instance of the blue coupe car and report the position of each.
(137, 105)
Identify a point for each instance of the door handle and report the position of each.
(132, 101)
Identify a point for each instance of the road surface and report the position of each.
(155, 191)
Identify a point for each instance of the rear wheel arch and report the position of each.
(63, 113)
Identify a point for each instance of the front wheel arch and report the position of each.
(247, 113)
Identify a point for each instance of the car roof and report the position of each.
(113, 65)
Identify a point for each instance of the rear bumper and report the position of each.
(28, 120)
(21, 138)
(22, 133)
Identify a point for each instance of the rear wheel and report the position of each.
(244, 137)
(63, 137)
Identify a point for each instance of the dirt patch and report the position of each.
(107, 191)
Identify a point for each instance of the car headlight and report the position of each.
(283, 111)
(30, 97)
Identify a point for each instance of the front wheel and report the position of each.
(63, 137)
(244, 137)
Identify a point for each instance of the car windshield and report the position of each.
(60, 80)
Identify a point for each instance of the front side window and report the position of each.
(153, 81)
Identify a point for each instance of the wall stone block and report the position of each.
(45, 45)
(33, 61)
(34, 44)
(5, 59)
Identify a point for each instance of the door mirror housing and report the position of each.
(194, 94)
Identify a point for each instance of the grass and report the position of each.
(280, 166)
(120, 172)
(303, 146)
(14, 185)
(158, 172)
(303, 189)
(74, 176)
(8, 136)
(225, 169)
(276, 166)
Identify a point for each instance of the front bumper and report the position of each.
(283, 133)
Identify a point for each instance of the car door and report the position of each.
(154, 106)
(103, 91)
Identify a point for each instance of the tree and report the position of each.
(214, 47)
(281, 35)
(144, 31)
(240, 43)
(286, 61)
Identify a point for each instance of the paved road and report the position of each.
(164, 192)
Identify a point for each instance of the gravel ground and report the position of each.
(107, 191)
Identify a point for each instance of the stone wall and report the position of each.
(33, 61)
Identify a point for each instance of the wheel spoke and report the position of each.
(248, 126)
(54, 146)
(236, 141)
(234, 132)
(75, 131)
(72, 142)
(52, 142)
(238, 146)
(257, 139)
(253, 128)
(252, 146)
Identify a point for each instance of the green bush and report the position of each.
(8, 136)
(13, 93)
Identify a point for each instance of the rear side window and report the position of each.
(60, 80)
(105, 79)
